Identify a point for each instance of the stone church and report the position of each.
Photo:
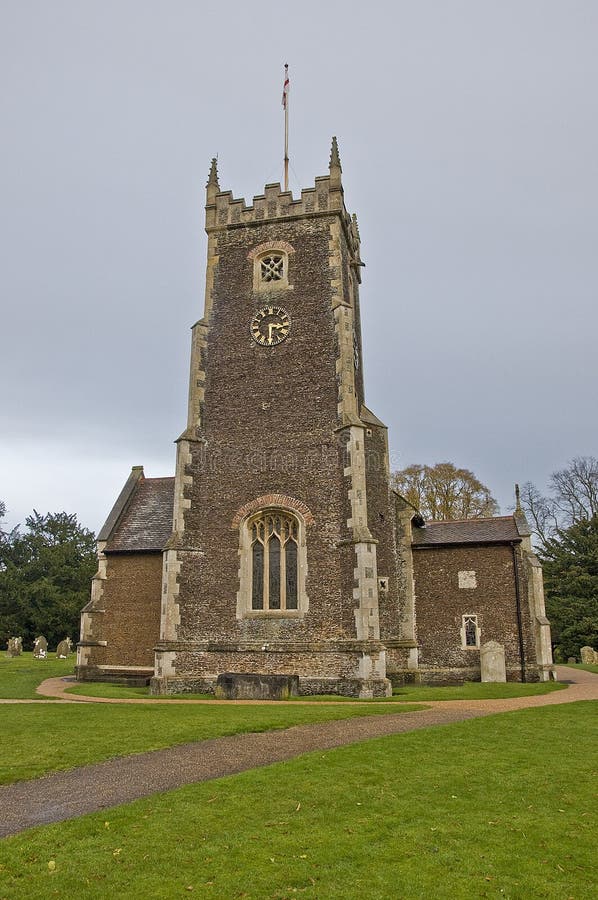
(279, 547)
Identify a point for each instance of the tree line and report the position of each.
(564, 520)
(45, 574)
(565, 523)
(45, 570)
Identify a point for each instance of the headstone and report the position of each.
(238, 686)
(589, 656)
(15, 647)
(40, 647)
(571, 661)
(492, 662)
(64, 648)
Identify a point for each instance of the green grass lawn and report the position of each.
(586, 667)
(475, 690)
(20, 676)
(46, 738)
(412, 693)
(500, 807)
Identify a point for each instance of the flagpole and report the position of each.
(286, 127)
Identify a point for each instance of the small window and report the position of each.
(470, 632)
(272, 267)
(270, 270)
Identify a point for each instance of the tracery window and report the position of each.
(274, 561)
(272, 267)
(470, 632)
(270, 270)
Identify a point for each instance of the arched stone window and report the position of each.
(274, 561)
(271, 266)
(470, 632)
(273, 564)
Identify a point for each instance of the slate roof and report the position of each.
(498, 530)
(146, 521)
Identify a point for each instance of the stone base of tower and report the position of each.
(402, 662)
(358, 670)
(445, 676)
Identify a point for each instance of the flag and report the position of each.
(285, 87)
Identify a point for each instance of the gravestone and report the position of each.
(40, 647)
(64, 648)
(571, 660)
(492, 662)
(589, 656)
(238, 686)
(15, 647)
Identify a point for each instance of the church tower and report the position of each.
(283, 556)
(279, 547)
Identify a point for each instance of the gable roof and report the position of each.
(145, 523)
(497, 530)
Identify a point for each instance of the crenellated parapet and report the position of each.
(223, 210)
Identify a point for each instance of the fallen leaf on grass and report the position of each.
(51, 866)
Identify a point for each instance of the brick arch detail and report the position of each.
(272, 500)
(284, 246)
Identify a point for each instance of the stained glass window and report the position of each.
(257, 587)
(274, 574)
(274, 561)
(290, 551)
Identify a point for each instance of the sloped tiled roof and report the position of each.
(500, 529)
(146, 522)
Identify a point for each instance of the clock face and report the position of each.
(270, 326)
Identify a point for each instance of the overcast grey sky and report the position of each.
(468, 134)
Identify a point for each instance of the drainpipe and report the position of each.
(518, 607)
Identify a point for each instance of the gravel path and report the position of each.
(65, 795)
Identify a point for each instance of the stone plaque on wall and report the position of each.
(467, 579)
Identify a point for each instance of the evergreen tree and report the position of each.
(570, 561)
(44, 578)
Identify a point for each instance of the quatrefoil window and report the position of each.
(272, 268)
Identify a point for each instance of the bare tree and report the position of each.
(443, 491)
(573, 498)
(575, 489)
(540, 510)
